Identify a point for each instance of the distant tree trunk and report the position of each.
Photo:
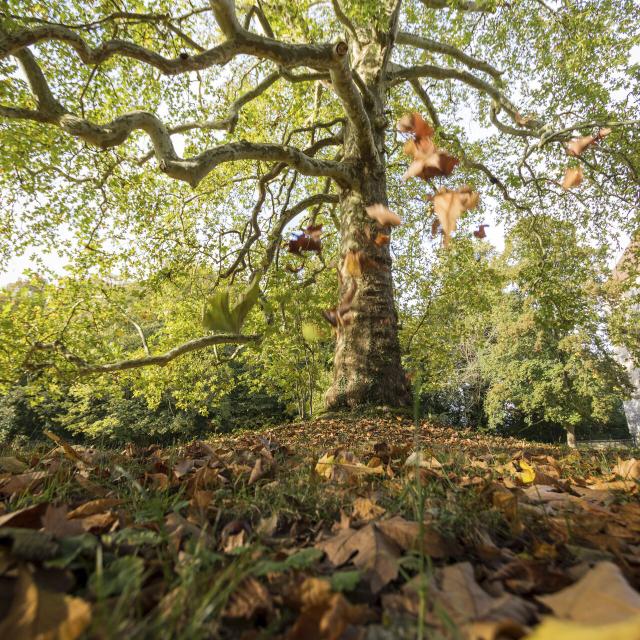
(367, 368)
(571, 436)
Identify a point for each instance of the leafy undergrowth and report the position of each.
(362, 529)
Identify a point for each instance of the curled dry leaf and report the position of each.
(576, 146)
(342, 315)
(343, 465)
(428, 161)
(382, 239)
(383, 215)
(300, 241)
(353, 263)
(480, 232)
(572, 177)
(450, 205)
(414, 123)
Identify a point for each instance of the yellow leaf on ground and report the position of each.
(527, 474)
(552, 629)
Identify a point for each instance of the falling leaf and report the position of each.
(527, 473)
(69, 451)
(353, 263)
(420, 459)
(342, 314)
(450, 205)
(523, 121)
(576, 146)
(218, 316)
(314, 232)
(572, 177)
(311, 332)
(303, 242)
(601, 596)
(435, 225)
(414, 123)
(480, 232)
(383, 215)
(36, 614)
(381, 239)
(428, 161)
(260, 469)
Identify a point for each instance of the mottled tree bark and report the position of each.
(367, 366)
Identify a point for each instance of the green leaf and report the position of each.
(345, 580)
(218, 316)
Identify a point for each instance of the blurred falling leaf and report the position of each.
(218, 316)
(450, 205)
(383, 215)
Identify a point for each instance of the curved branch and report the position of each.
(428, 44)
(343, 18)
(135, 363)
(399, 74)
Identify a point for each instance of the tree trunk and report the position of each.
(367, 368)
(571, 436)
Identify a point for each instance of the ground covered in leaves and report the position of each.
(365, 529)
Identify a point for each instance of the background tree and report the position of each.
(550, 359)
(317, 88)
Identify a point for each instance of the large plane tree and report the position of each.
(141, 135)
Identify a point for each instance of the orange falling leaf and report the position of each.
(572, 177)
(428, 160)
(353, 263)
(382, 239)
(383, 215)
(523, 121)
(434, 227)
(414, 123)
(450, 205)
(576, 146)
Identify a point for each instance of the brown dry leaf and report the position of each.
(382, 239)
(523, 121)
(450, 205)
(573, 177)
(325, 615)
(466, 601)
(601, 596)
(375, 554)
(365, 509)
(250, 599)
(94, 507)
(406, 534)
(428, 161)
(55, 522)
(383, 215)
(628, 469)
(353, 263)
(69, 451)
(99, 522)
(42, 615)
(10, 464)
(23, 482)
(28, 518)
(576, 146)
(183, 468)
(414, 123)
(159, 481)
(422, 460)
(260, 470)
(342, 466)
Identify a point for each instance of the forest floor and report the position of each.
(367, 528)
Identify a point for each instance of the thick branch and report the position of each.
(135, 363)
(428, 44)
